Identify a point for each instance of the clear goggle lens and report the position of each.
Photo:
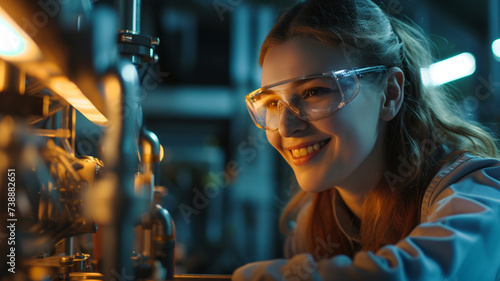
(309, 98)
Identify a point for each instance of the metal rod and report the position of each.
(73, 130)
(57, 133)
(130, 15)
(65, 126)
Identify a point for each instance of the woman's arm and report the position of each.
(459, 241)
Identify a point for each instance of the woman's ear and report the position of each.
(393, 94)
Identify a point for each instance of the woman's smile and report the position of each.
(302, 154)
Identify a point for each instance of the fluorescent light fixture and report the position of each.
(15, 44)
(495, 47)
(448, 70)
(17, 47)
(72, 94)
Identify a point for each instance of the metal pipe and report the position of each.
(120, 158)
(150, 154)
(164, 239)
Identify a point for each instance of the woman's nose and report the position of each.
(289, 123)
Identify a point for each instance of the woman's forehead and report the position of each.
(299, 57)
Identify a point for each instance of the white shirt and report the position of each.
(458, 237)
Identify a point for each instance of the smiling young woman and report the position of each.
(394, 185)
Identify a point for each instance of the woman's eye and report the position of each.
(317, 91)
(271, 104)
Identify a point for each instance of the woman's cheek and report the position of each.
(274, 139)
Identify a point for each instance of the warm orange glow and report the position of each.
(112, 93)
(16, 45)
(112, 88)
(3, 75)
(74, 96)
(162, 153)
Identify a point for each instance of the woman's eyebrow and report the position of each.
(294, 84)
(265, 94)
(306, 80)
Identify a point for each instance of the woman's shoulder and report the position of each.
(466, 172)
(459, 166)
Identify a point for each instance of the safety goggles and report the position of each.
(310, 97)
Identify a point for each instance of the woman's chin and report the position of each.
(312, 187)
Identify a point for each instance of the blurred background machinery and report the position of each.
(82, 80)
(75, 214)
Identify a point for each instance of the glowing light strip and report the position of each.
(74, 96)
(15, 44)
(448, 70)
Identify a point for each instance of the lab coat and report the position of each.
(458, 237)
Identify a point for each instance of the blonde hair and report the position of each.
(426, 119)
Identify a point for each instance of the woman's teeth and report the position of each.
(306, 150)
